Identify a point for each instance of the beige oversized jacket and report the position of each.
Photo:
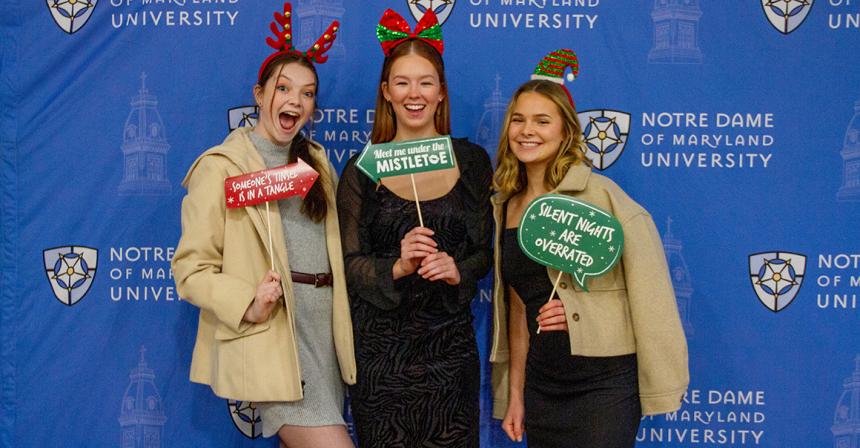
(219, 261)
(631, 309)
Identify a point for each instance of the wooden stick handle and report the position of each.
(269, 231)
(417, 204)
(552, 294)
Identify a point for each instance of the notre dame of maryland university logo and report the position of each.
(442, 8)
(776, 277)
(246, 418)
(786, 15)
(71, 15)
(71, 271)
(604, 135)
(242, 116)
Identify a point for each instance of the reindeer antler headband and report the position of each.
(283, 42)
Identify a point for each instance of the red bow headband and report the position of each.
(283, 42)
(393, 30)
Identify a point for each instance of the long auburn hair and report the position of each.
(510, 176)
(314, 205)
(385, 122)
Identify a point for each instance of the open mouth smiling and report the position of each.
(288, 120)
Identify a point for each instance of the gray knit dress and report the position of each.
(306, 246)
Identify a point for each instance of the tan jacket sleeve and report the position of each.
(661, 348)
(199, 256)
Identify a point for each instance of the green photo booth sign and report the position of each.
(408, 157)
(570, 235)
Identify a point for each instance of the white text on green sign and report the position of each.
(570, 235)
(413, 156)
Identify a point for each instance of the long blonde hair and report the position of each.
(385, 123)
(510, 176)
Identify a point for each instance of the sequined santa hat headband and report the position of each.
(283, 42)
(553, 66)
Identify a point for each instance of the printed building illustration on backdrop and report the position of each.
(487, 133)
(846, 419)
(850, 190)
(144, 147)
(680, 276)
(487, 136)
(142, 416)
(676, 32)
(314, 17)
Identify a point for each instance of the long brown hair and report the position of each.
(314, 205)
(385, 123)
(510, 176)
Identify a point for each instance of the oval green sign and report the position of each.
(571, 236)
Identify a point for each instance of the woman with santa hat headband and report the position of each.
(581, 369)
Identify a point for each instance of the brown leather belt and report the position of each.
(318, 280)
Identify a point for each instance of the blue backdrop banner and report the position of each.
(735, 123)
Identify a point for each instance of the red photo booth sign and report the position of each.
(267, 185)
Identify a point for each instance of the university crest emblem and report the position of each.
(604, 134)
(243, 116)
(776, 277)
(786, 15)
(70, 271)
(246, 418)
(71, 15)
(442, 8)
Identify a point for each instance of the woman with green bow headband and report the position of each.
(411, 283)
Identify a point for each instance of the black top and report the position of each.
(418, 371)
(549, 364)
(373, 220)
(550, 367)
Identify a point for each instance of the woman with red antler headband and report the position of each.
(412, 285)
(273, 329)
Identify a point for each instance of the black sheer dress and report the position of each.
(418, 370)
(570, 401)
